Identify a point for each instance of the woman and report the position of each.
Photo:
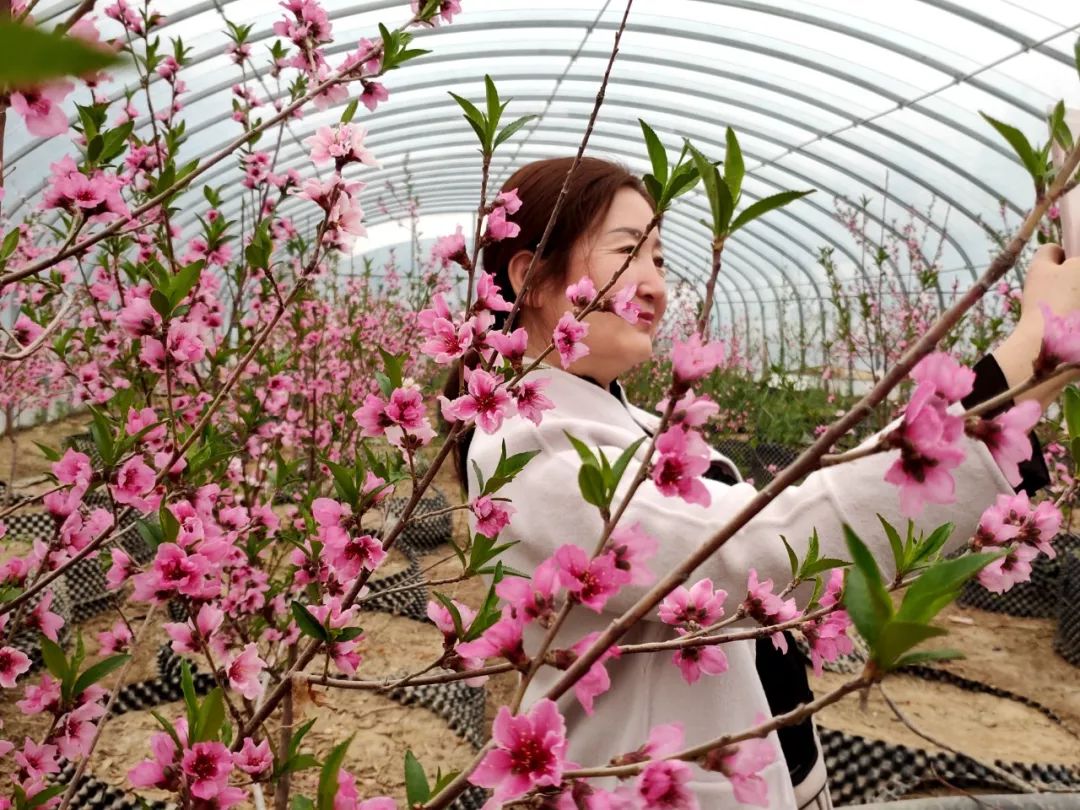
(607, 209)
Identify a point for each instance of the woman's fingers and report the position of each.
(1049, 252)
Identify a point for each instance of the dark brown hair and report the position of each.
(592, 189)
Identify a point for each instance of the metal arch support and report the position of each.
(726, 283)
(751, 231)
(770, 139)
(998, 28)
(451, 205)
(465, 188)
(450, 202)
(881, 42)
(673, 221)
(900, 280)
(769, 52)
(803, 223)
(450, 192)
(819, 160)
(877, 158)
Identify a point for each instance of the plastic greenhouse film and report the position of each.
(1069, 205)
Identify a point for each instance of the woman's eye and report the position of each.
(660, 263)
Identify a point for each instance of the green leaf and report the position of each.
(734, 168)
(160, 302)
(1059, 130)
(764, 205)
(308, 624)
(328, 778)
(191, 702)
(929, 547)
(683, 179)
(1071, 406)
(170, 526)
(386, 385)
(895, 543)
(1076, 54)
(55, 660)
(169, 729)
(942, 581)
(30, 56)
(348, 633)
(211, 715)
(49, 453)
(619, 468)
(393, 365)
(99, 671)
(301, 762)
(298, 736)
(793, 558)
(819, 587)
(94, 148)
(512, 465)
(720, 202)
(350, 111)
(443, 779)
(417, 790)
(1074, 447)
(302, 803)
(11, 241)
(1020, 145)
(473, 116)
(657, 153)
(455, 614)
(116, 141)
(656, 191)
(343, 482)
(865, 598)
(583, 451)
(898, 637)
(510, 129)
(101, 433)
(591, 484)
(813, 548)
(494, 108)
(479, 477)
(42, 796)
(183, 281)
(820, 566)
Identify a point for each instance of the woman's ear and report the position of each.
(516, 269)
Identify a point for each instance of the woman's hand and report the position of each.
(1052, 281)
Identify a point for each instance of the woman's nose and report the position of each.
(651, 285)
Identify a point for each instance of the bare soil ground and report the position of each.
(1007, 652)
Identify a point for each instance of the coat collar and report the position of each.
(584, 394)
(585, 398)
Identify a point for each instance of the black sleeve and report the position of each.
(989, 382)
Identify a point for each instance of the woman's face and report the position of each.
(615, 345)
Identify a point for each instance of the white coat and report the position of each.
(648, 690)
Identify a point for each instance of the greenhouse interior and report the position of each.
(579, 404)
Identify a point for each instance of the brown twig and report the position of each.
(76, 778)
(1011, 780)
(796, 715)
